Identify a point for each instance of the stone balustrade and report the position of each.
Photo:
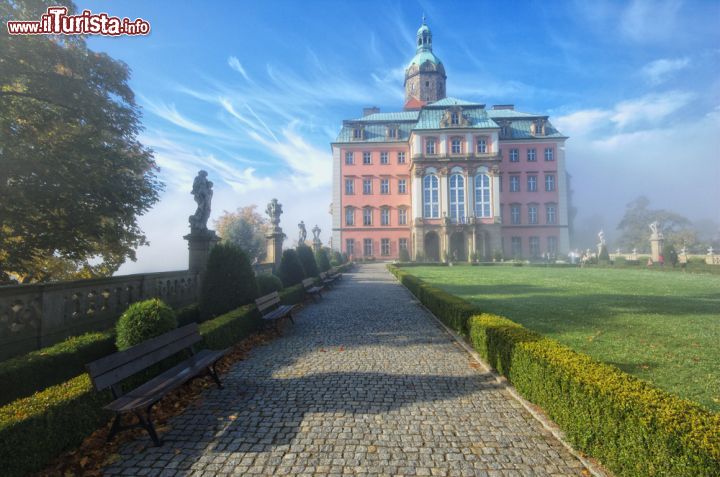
(35, 316)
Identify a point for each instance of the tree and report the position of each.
(307, 260)
(245, 228)
(638, 216)
(73, 175)
(322, 260)
(229, 281)
(291, 271)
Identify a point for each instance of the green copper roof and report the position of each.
(390, 117)
(430, 119)
(453, 102)
(423, 56)
(510, 113)
(430, 116)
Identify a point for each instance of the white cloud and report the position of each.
(640, 112)
(645, 20)
(659, 71)
(235, 64)
(651, 108)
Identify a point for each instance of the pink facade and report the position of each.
(448, 179)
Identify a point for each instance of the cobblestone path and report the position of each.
(365, 383)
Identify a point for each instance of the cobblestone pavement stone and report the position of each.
(365, 383)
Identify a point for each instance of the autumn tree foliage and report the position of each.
(245, 228)
(73, 175)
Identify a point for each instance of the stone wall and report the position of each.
(35, 316)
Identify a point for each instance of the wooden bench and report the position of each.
(335, 274)
(327, 279)
(110, 371)
(272, 311)
(311, 289)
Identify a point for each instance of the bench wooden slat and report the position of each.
(165, 382)
(121, 365)
(267, 301)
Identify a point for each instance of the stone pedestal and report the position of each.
(199, 246)
(316, 245)
(274, 248)
(656, 247)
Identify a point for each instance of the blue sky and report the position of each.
(254, 92)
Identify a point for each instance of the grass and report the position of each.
(660, 327)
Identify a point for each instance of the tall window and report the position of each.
(357, 133)
(549, 154)
(514, 155)
(456, 145)
(367, 158)
(482, 195)
(367, 216)
(481, 145)
(430, 146)
(532, 214)
(431, 202)
(516, 245)
(551, 214)
(349, 216)
(367, 186)
(532, 183)
(454, 119)
(385, 247)
(402, 216)
(401, 158)
(384, 216)
(392, 133)
(350, 246)
(384, 158)
(514, 183)
(552, 245)
(402, 186)
(349, 186)
(384, 186)
(531, 155)
(549, 182)
(457, 197)
(349, 158)
(515, 214)
(534, 247)
(402, 244)
(367, 247)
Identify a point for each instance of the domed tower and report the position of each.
(425, 75)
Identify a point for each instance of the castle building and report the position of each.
(447, 178)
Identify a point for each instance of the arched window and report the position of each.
(482, 195)
(431, 202)
(457, 197)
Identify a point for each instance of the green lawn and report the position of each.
(661, 327)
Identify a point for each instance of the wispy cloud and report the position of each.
(169, 113)
(661, 70)
(235, 64)
(644, 20)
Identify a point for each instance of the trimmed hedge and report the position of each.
(267, 283)
(451, 310)
(36, 429)
(632, 427)
(23, 375)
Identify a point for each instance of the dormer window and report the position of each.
(538, 128)
(454, 118)
(357, 133)
(392, 132)
(505, 130)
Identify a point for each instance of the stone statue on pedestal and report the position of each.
(317, 244)
(274, 210)
(202, 192)
(302, 233)
(656, 241)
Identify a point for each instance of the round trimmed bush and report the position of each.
(307, 260)
(229, 281)
(144, 320)
(291, 271)
(268, 283)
